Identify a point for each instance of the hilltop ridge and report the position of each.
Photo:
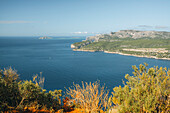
(135, 34)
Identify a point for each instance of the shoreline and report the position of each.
(153, 57)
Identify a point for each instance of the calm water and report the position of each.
(61, 66)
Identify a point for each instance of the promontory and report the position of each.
(151, 44)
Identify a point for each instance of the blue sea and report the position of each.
(61, 66)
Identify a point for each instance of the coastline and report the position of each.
(154, 57)
(84, 50)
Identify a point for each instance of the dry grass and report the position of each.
(91, 97)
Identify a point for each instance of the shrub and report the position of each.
(34, 96)
(89, 97)
(29, 92)
(146, 91)
(9, 93)
(17, 94)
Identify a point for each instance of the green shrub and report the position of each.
(146, 91)
(9, 92)
(17, 94)
(29, 92)
(33, 95)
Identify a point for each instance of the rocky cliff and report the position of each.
(130, 34)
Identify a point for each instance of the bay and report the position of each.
(61, 66)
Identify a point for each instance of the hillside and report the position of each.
(153, 44)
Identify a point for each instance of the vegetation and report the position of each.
(91, 98)
(9, 92)
(147, 91)
(21, 95)
(114, 44)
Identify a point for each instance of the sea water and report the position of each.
(61, 66)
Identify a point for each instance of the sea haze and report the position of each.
(61, 66)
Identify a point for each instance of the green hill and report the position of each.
(152, 44)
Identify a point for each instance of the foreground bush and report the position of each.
(91, 98)
(147, 91)
(17, 94)
(9, 92)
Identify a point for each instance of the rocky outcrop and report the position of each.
(73, 46)
(135, 34)
(45, 37)
(141, 34)
(94, 38)
(79, 45)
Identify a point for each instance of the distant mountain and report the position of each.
(130, 34)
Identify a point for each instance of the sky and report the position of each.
(81, 17)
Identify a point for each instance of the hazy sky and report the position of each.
(81, 17)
